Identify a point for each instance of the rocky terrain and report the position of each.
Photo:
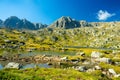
(59, 36)
(96, 47)
(95, 65)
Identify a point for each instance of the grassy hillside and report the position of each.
(49, 38)
(50, 74)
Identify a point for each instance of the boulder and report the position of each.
(118, 75)
(90, 70)
(111, 71)
(117, 63)
(105, 60)
(7, 41)
(97, 67)
(13, 65)
(86, 63)
(81, 68)
(64, 58)
(95, 54)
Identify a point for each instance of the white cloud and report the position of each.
(104, 15)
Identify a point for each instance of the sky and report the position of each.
(47, 11)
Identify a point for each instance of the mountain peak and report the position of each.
(16, 23)
(13, 17)
(65, 22)
(65, 18)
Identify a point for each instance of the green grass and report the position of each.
(46, 39)
(49, 74)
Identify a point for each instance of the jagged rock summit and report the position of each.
(65, 22)
(12, 22)
(16, 23)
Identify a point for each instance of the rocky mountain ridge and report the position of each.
(68, 23)
(64, 22)
(16, 23)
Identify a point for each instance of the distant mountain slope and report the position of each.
(1, 22)
(106, 35)
(16, 23)
(99, 35)
(63, 23)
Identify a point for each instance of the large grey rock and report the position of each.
(97, 67)
(95, 54)
(105, 60)
(64, 58)
(13, 65)
(81, 68)
(111, 71)
(118, 75)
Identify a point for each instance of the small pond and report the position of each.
(31, 65)
(57, 53)
(33, 53)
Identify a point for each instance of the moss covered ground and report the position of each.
(50, 74)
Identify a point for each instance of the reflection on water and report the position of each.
(48, 52)
(32, 65)
(1, 67)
